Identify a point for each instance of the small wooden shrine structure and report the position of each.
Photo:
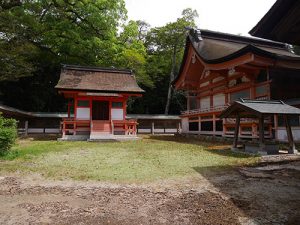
(97, 102)
(261, 110)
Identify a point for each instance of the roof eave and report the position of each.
(100, 91)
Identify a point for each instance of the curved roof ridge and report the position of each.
(228, 49)
(96, 69)
(242, 39)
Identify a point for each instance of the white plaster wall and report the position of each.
(219, 99)
(35, 130)
(141, 130)
(205, 103)
(185, 125)
(117, 114)
(83, 113)
(282, 135)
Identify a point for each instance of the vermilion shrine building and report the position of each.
(97, 102)
(218, 69)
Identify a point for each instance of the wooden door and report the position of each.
(100, 110)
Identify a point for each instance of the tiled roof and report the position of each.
(97, 79)
(258, 107)
(216, 47)
(17, 112)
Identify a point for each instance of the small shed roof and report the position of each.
(97, 79)
(10, 111)
(249, 108)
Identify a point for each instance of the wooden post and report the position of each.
(276, 127)
(63, 129)
(113, 128)
(199, 125)
(214, 124)
(292, 148)
(75, 128)
(224, 127)
(179, 128)
(26, 127)
(152, 128)
(261, 132)
(236, 131)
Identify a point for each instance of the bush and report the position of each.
(8, 134)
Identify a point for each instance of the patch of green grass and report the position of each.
(149, 159)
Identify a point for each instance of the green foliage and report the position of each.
(81, 32)
(8, 134)
(132, 52)
(165, 46)
(37, 36)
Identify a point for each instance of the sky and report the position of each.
(229, 16)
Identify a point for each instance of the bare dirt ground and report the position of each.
(263, 195)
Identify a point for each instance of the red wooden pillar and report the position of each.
(69, 106)
(214, 124)
(109, 108)
(75, 113)
(124, 108)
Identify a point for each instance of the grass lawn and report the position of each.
(149, 159)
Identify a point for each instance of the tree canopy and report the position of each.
(36, 37)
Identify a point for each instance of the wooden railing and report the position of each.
(199, 111)
(71, 126)
(127, 126)
(246, 120)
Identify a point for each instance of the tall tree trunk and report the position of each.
(171, 79)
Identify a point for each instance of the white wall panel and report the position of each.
(83, 113)
(219, 99)
(185, 125)
(205, 103)
(117, 114)
(282, 135)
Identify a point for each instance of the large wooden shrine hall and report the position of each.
(218, 69)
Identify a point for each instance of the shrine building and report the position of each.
(97, 102)
(218, 69)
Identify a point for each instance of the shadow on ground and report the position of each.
(269, 196)
(215, 147)
(40, 137)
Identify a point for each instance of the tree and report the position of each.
(37, 36)
(132, 52)
(82, 32)
(169, 41)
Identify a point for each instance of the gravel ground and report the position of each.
(262, 195)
